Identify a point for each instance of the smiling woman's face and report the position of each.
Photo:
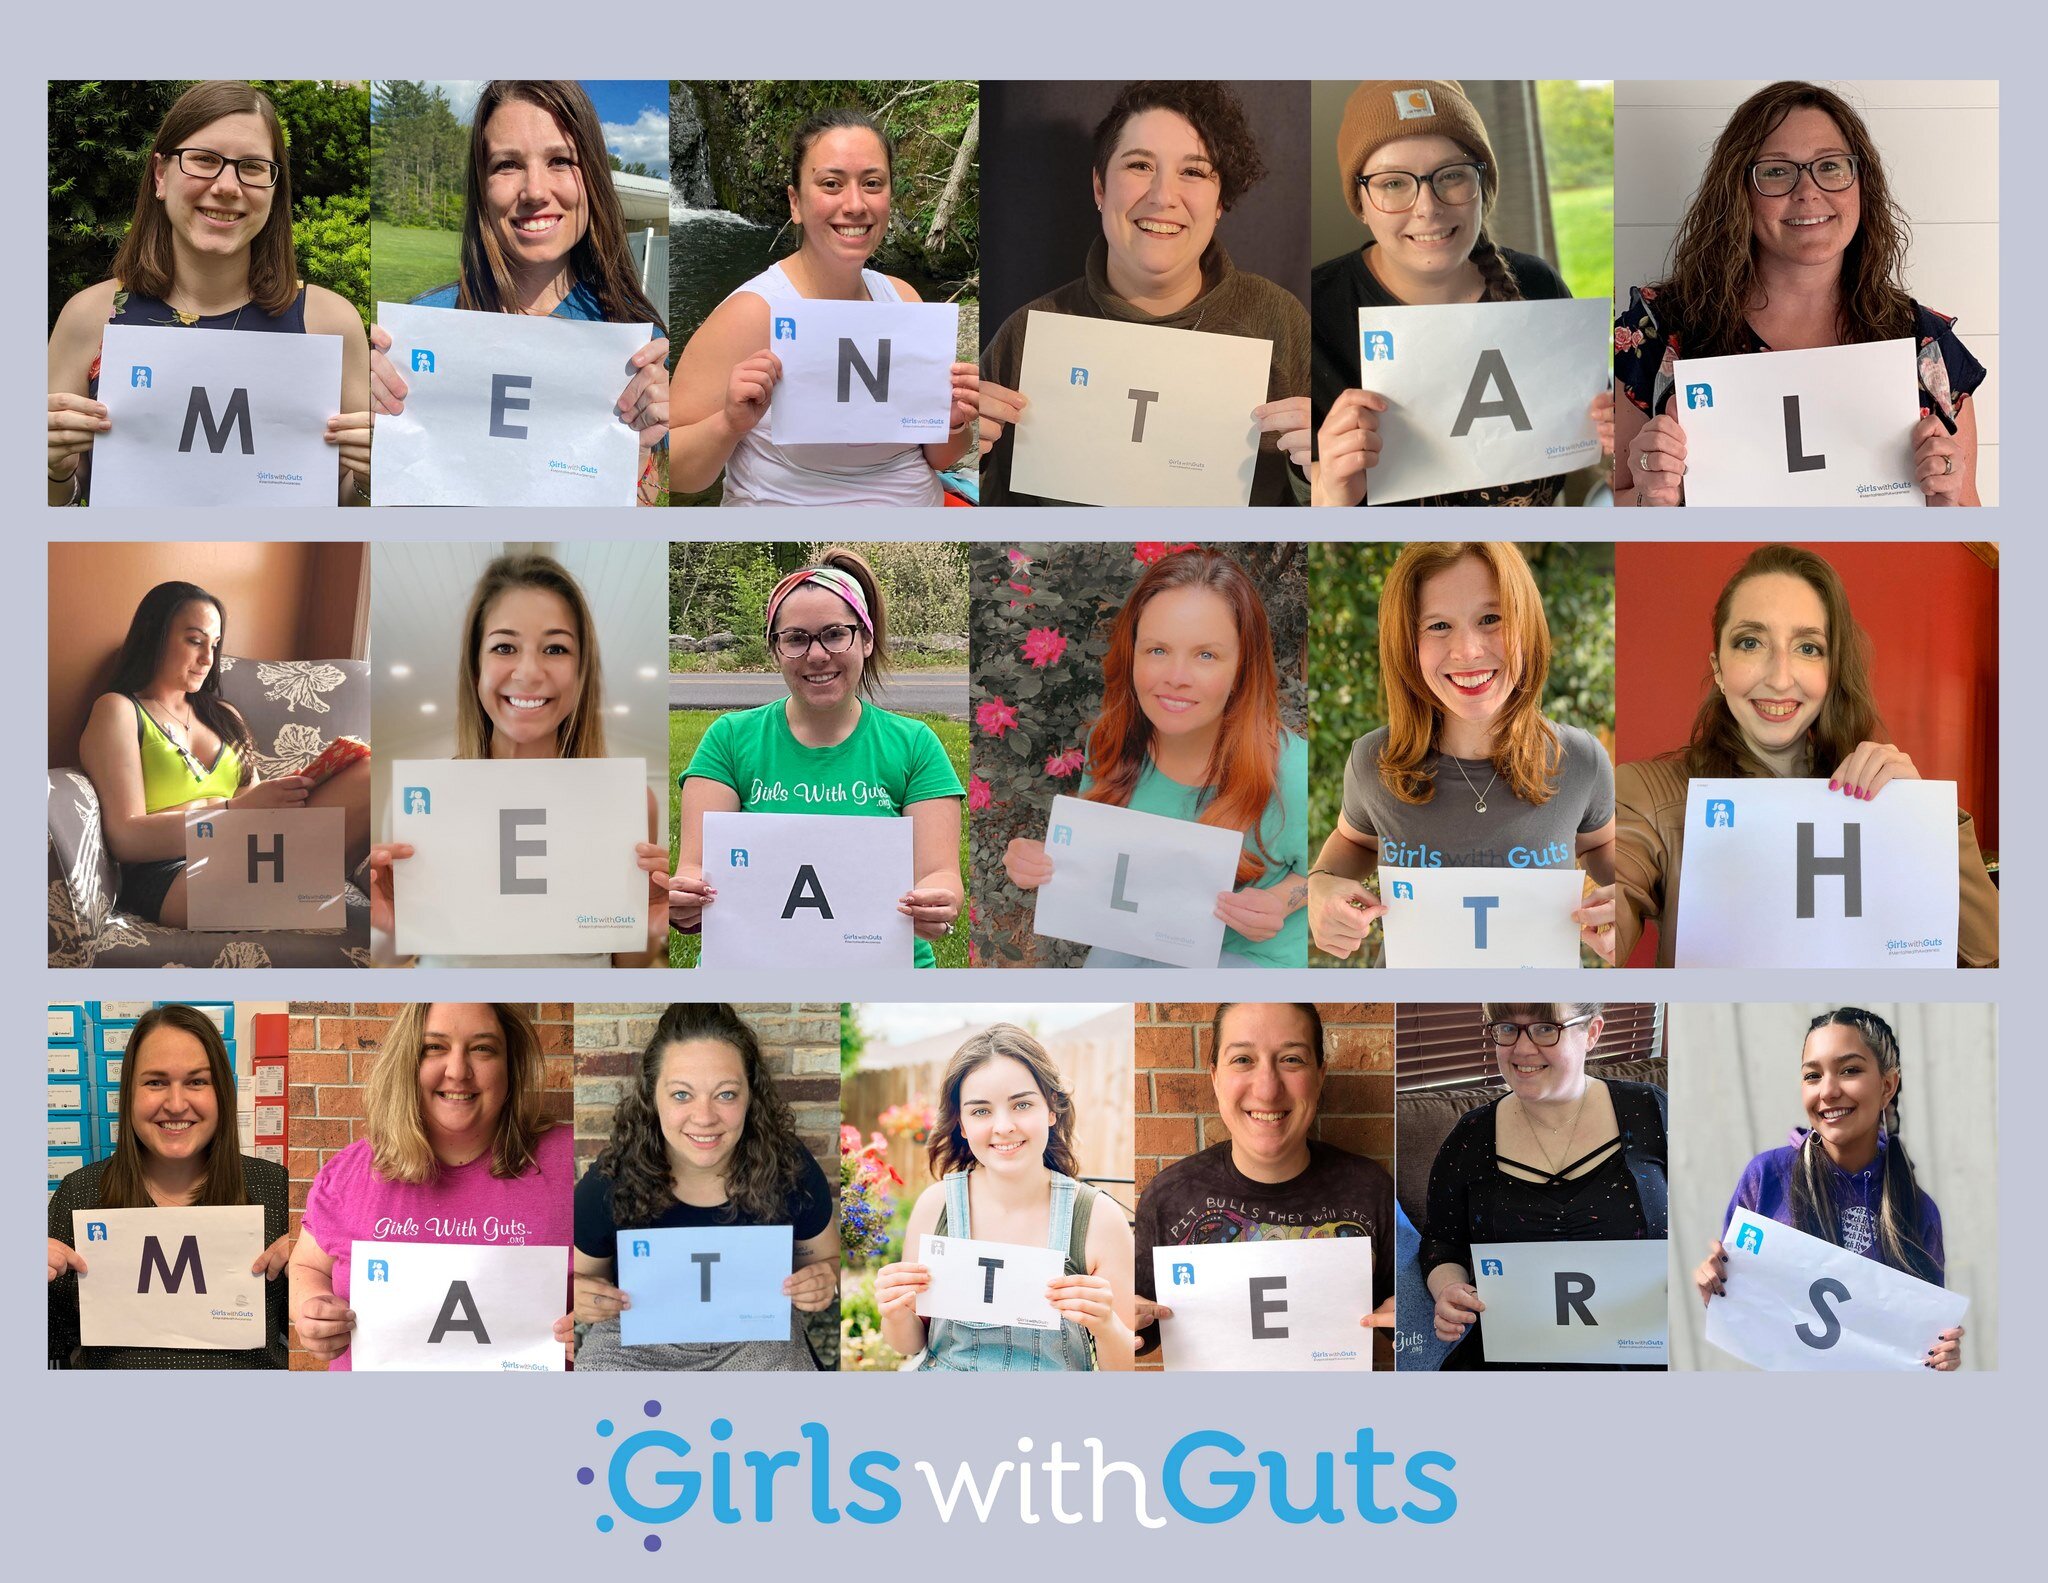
(1772, 663)
(1430, 238)
(1461, 641)
(216, 214)
(532, 185)
(1160, 200)
(1807, 226)
(529, 669)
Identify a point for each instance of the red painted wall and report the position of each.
(1931, 611)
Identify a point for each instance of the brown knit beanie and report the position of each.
(1380, 112)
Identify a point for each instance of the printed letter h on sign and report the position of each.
(1849, 865)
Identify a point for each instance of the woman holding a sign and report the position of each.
(828, 748)
(1190, 729)
(842, 170)
(1793, 239)
(1845, 1177)
(1003, 1155)
(533, 689)
(458, 1149)
(1464, 651)
(543, 233)
(1790, 696)
(176, 1146)
(702, 1139)
(162, 743)
(1562, 1156)
(1419, 171)
(1171, 160)
(209, 247)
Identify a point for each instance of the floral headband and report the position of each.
(831, 578)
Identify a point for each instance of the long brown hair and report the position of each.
(1813, 1206)
(122, 1185)
(1527, 751)
(948, 1151)
(1244, 766)
(399, 1147)
(142, 652)
(146, 262)
(600, 258)
(765, 1166)
(1848, 715)
(581, 734)
(1713, 283)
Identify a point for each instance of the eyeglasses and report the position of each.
(206, 164)
(1395, 191)
(1776, 178)
(793, 643)
(1541, 1034)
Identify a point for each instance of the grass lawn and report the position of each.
(1585, 240)
(686, 727)
(406, 261)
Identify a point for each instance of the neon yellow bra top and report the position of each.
(171, 777)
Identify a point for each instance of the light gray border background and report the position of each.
(176, 1476)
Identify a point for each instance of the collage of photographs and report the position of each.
(1136, 744)
(1526, 293)
(1187, 1187)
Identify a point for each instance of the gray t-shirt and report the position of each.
(1445, 832)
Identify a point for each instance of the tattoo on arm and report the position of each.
(1297, 894)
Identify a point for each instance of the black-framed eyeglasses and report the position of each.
(1776, 178)
(793, 643)
(1541, 1034)
(1395, 191)
(206, 164)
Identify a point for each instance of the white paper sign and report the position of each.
(860, 373)
(820, 889)
(456, 1306)
(1483, 393)
(1136, 882)
(1287, 1304)
(1481, 917)
(1796, 1302)
(267, 868)
(1136, 414)
(1785, 873)
(989, 1283)
(1573, 1302)
(1828, 426)
(216, 418)
(705, 1283)
(512, 857)
(171, 1277)
(506, 409)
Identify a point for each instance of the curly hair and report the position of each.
(764, 1167)
(948, 1151)
(1848, 715)
(1713, 283)
(1216, 114)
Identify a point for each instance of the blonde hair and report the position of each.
(391, 1100)
(581, 734)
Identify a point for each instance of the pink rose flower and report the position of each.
(995, 717)
(1043, 646)
(1061, 765)
(979, 794)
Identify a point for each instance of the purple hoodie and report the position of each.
(1766, 1189)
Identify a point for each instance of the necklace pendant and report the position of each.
(1479, 806)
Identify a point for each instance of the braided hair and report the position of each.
(1492, 265)
(1815, 1209)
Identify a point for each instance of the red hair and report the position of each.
(1244, 767)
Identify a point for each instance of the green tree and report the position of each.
(1578, 132)
(417, 152)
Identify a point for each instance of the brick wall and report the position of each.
(1176, 1108)
(333, 1046)
(799, 1044)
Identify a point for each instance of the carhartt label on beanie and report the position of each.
(1413, 104)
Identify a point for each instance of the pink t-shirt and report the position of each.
(464, 1203)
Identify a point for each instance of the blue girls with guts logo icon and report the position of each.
(139, 377)
(95, 1231)
(1077, 376)
(1183, 1275)
(1489, 1267)
(1378, 346)
(418, 800)
(785, 329)
(1750, 1239)
(1403, 890)
(422, 360)
(1720, 813)
(737, 857)
(1699, 396)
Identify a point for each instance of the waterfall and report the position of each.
(689, 153)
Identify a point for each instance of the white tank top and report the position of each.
(762, 473)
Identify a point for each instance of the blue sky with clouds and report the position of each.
(635, 116)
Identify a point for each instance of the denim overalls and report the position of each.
(966, 1346)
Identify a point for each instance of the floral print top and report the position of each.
(1645, 348)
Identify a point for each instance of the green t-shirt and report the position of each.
(1283, 834)
(888, 763)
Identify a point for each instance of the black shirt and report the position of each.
(808, 1211)
(1339, 288)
